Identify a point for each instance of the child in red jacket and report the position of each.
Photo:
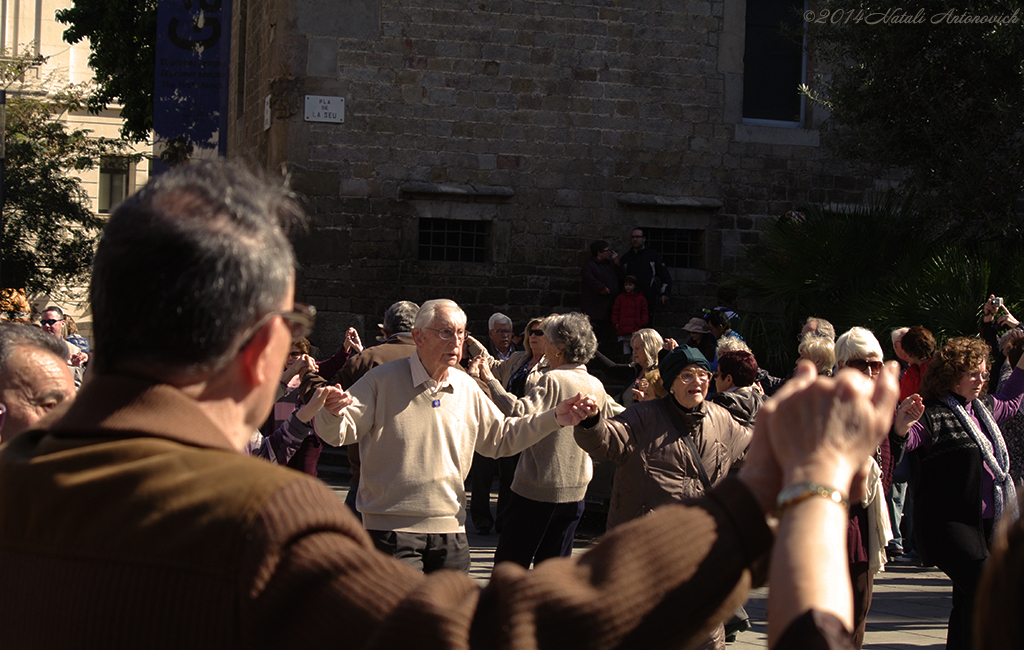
(629, 314)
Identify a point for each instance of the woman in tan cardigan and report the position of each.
(552, 476)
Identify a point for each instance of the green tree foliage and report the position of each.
(122, 35)
(879, 266)
(929, 92)
(49, 230)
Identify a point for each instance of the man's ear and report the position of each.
(256, 364)
(417, 336)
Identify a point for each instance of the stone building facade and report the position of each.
(485, 144)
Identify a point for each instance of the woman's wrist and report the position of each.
(837, 475)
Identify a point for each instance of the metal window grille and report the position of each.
(454, 240)
(679, 248)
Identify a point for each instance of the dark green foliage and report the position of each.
(49, 229)
(941, 103)
(122, 35)
(880, 266)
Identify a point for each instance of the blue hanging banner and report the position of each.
(190, 101)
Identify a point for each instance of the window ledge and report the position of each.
(785, 135)
(461, 191)
(658, 200)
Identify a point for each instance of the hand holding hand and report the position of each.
(352, 342)
(575, 409)
(335, 400)
(909, 412)
(822, 429)
(79, 359)
(308, 411)
(304, 363)
(485, 369)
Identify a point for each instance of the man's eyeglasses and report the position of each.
(865, 366)
(447, 334)
(51, 321)
(300, 321)
(689, 377)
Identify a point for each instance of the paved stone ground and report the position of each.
(909, 610)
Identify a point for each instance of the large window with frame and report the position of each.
(774, 63)
(454, 240)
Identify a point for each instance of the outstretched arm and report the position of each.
(818, 433)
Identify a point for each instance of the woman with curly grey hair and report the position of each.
(552, 476)
(964, 484)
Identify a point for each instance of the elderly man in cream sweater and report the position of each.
(418, 422)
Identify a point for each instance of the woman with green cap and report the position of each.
(667, 449)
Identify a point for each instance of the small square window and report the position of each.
(454, 240)
(679, 248)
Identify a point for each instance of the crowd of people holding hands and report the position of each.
(128, 508)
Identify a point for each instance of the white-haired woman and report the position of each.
(860, 350)
(647, 345)
(552, 476)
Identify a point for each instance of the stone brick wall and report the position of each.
(546, 118)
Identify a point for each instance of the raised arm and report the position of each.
(819, 433)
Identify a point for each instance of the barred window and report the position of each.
(679, 248)
(454, 240)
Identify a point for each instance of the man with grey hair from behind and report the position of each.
(34, 377)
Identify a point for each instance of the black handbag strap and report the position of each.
(682, 429)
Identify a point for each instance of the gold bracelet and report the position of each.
(796, 492)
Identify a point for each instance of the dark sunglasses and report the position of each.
(536, 333)
(865, 366)
(50, 321)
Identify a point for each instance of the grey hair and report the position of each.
(400, 317)
(858, 343)
(651, 342)
(17, 335)
(428, 312)
(823, 327)
(498, 318)
(730, 344)
(189, 263)
(573, 335)
(897, 334)
(819, 347)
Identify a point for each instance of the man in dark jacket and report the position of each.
(652, 276)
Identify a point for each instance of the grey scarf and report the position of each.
(993, 452)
